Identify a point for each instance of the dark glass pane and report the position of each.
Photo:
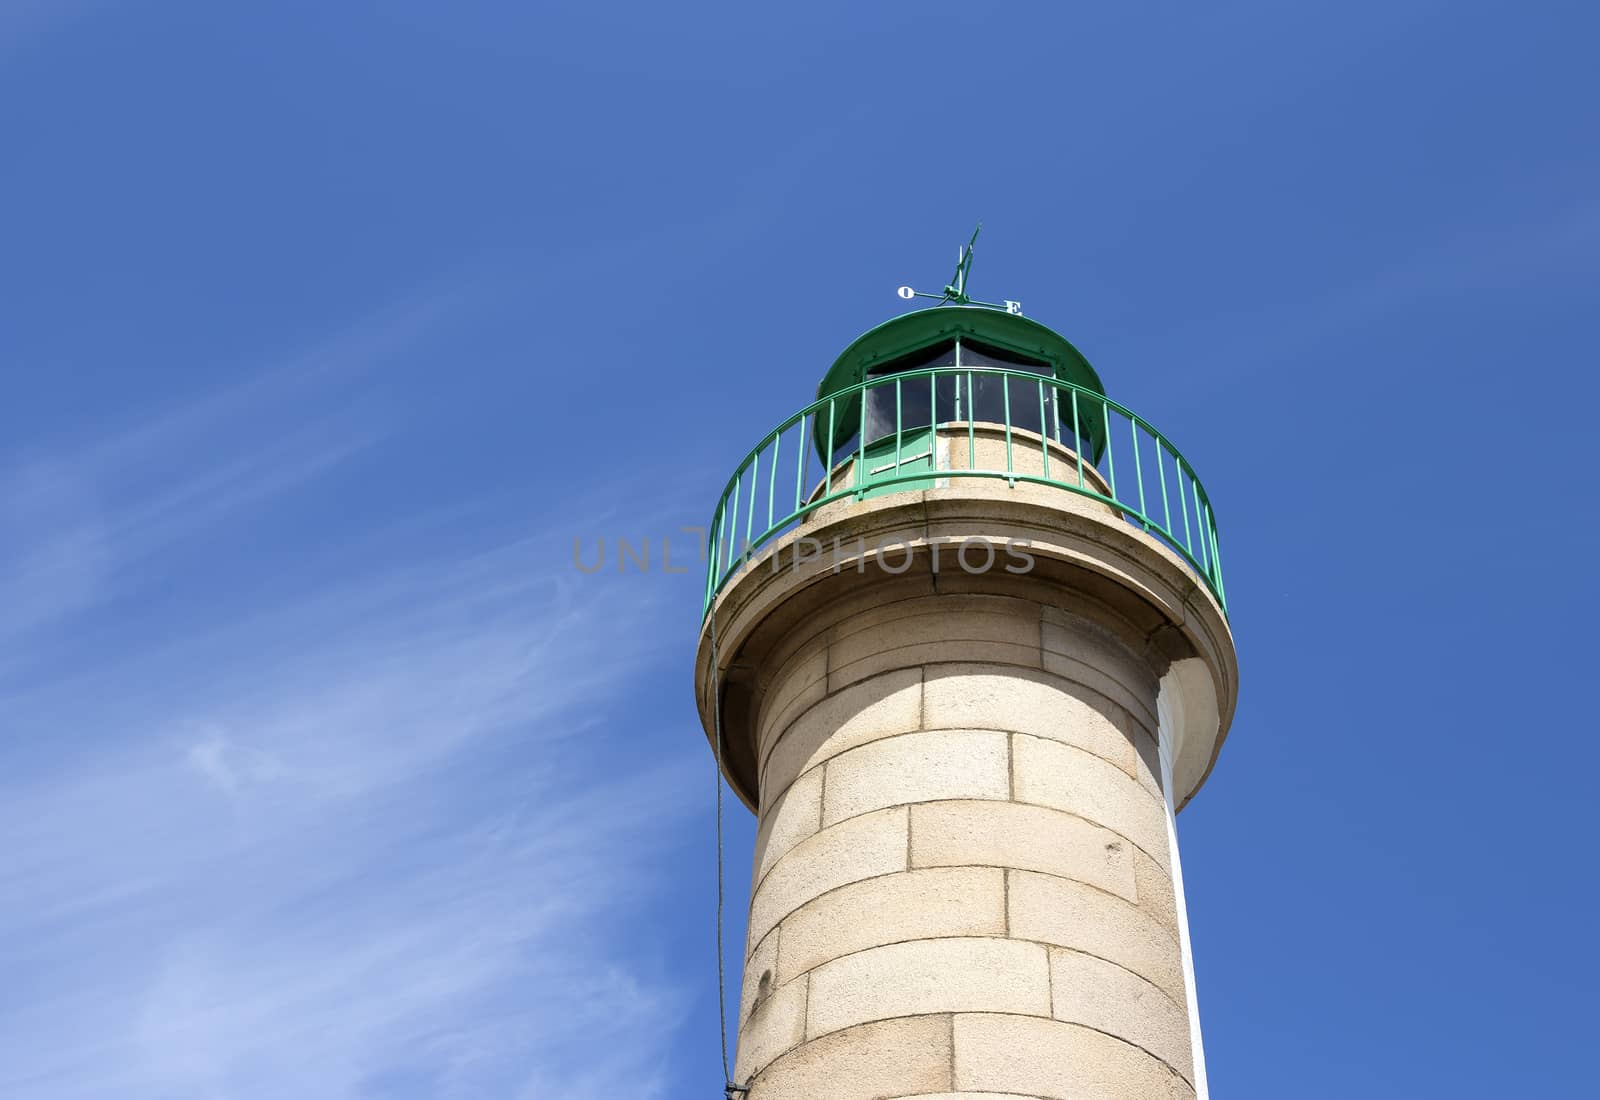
(940, 355)
(914, 394)
(987, 402)
(988, 399)
(974, 354)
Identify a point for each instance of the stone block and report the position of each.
(873, 844)
(1010, 834)
(946, 629)
(1050, 773)
(916, 767)
(1069, 914)
(777, 1025)
(965, 1096)
(976, 696)
(801, 683)
(928, 976)
(935, 652)
(1050, 1060)
(876, 1061)
(1090, 645)
(1155, 891)
(1092, 679)
(1098, 994)
(880, 707)
(761, 978)
(939, 901)
(794, 815)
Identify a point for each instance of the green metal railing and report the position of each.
(767, 496)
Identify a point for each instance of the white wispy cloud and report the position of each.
(73, 514)
(356, 837)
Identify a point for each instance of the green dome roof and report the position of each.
(927, 328)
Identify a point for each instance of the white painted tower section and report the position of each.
(1171, 711)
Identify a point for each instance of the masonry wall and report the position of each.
(962, 881)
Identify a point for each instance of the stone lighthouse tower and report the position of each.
(966, 653)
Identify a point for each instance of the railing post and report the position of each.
(1216, 563)
(733, 514)
(898, 446)
(1077, 436)
(711, 563)
(1183, 504)
(772, 478)
(1111, 458)
(1161, 472)
(716, 547)
(861, 444)
(1138, 471)
(972, 433)
(1044, 436)
(750, 515)
(800, 467)
(1005, 395)
(827, 463)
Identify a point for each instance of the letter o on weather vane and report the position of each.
(906, 292)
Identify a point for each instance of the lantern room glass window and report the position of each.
(916, 409)
(986, 399)
(981, 398)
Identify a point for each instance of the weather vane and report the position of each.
(956, 291)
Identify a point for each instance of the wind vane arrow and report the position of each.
(955, 293)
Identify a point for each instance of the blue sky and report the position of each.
(327, 328)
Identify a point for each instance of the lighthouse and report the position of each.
(965, 655)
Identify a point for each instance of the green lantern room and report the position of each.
(958, 391)
(893, 385)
